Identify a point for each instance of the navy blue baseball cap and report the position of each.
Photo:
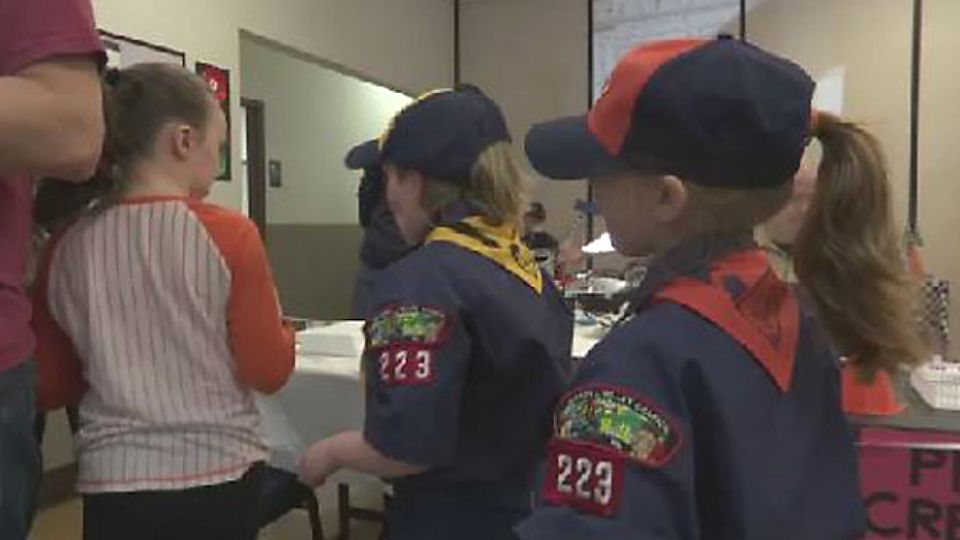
(719, 113)
(441, 134)
(364, 156)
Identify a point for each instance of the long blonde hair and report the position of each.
(848, 255)
(497, 187)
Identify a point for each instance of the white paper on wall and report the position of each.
(829, 94)
(619, 25)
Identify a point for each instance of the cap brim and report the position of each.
(364, 156)
(565, 149)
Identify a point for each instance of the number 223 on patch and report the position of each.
(406, 366)
(585, 477)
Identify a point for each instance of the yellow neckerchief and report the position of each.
(503, 246)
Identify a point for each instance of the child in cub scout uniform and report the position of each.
(713, 411)
(468, 345)
(382, 244)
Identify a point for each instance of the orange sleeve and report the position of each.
(261, 342)
(59, 373)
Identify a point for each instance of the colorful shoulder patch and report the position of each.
(613, 418)
(407, 324)
(598, 431)
(403, 339)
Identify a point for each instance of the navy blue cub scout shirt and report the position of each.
(714, 413)
(467, 354)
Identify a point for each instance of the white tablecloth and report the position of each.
(324, 397)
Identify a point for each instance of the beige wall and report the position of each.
(872, 39)
(531, 56)
(313, 116)
(405, 44)
(939, 207)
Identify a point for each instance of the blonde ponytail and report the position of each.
(848, 254)
(497, 187)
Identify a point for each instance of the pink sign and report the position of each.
(911, 484)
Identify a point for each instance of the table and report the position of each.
(323, 397)
(917, 415)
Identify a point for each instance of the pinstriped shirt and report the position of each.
(160, 315)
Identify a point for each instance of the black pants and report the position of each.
(221, 512)
(457, 513)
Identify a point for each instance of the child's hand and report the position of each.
(317, 464)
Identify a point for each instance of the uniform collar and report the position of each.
(729, 282)
(501, 244)
(690, 259)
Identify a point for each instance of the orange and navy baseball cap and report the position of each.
(720, 113)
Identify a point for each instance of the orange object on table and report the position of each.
(875, 398)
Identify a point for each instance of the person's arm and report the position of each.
(619, 464)
(261, 342)
(414, 366)
(51, 115)
(351, 451)
(60, 379)
(51, 119)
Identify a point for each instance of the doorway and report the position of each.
(255, 161)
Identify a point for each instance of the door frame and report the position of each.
(256, 144)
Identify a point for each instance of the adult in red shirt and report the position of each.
(51, 124)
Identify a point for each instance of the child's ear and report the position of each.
(182, 140)
(672, 200)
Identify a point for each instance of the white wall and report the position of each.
(313, 116)
(619, 25)
(407, 44)
(531, 57)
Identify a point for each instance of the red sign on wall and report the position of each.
(219, 81)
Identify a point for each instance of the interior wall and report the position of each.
(405, 45)
(939, 158)
(824, 34)
(531, 56)
(313, 116)
(872, 39)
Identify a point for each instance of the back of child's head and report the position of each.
(495, 187)
(459, 141)
(143, 99)
(732, 122)
(848, 255)
(138, 102)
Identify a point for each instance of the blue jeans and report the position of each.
(19, 456)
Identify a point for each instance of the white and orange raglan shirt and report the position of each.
(160, 317)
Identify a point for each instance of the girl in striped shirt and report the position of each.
(159, 315)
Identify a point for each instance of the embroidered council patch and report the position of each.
(614, 419)
(410, 325)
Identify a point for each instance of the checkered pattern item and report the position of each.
(935, 313)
